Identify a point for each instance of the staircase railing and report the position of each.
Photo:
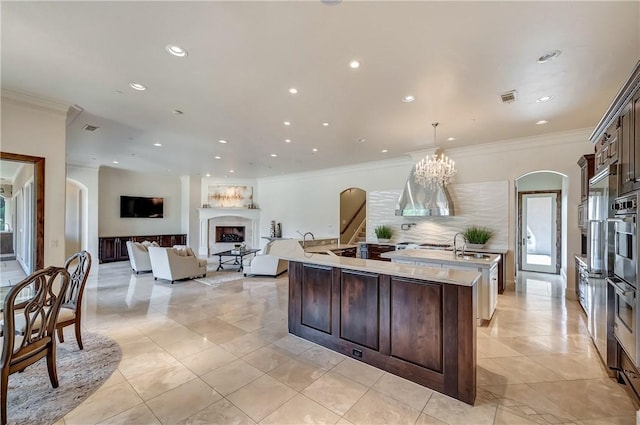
(347, 232)
(356, 234)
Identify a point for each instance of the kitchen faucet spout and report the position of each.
(455, 246)
(304, 238)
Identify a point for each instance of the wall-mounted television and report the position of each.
(141, 207)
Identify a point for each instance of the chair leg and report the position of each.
(51, 364)
(78, 334)
(60, 334)
(4, 386)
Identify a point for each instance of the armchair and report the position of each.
(139, 257)
(176, 263)
(265, 264)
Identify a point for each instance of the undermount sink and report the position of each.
(476, 256)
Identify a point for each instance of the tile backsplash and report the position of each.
(482, 204)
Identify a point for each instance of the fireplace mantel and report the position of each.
(207, 214)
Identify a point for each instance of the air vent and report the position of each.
(90, 127)
(508, 97)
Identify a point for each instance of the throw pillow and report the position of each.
(142, 246)
(154, 243)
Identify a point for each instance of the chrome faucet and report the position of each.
(304, 239)
(455, 246)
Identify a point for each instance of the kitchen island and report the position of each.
(413, 321)
(485, 264)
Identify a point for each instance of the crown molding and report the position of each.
(27, 99)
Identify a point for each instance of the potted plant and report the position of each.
(383, 233)
(477, 236)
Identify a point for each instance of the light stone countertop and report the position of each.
(440, 257)
(292, 251)
(328, 247)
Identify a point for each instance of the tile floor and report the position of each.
(195, 354)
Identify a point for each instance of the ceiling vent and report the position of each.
(508, 97)
(90, 127)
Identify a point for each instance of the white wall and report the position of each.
(74, 222)
(114, 183)
(36, 127)
(310, 201)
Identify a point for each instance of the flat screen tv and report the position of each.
(141, 207)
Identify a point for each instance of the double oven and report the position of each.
(624, 282)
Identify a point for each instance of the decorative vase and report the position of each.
(475, 245)
(384, 240)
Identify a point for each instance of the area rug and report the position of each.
(216, 278)
(32, 400)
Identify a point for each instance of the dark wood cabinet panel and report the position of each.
(374, 251)
(418, 308)
(316, 297)
(423, 331)
(627, 150)
(114, 248)
(359, 308)
(587, 166)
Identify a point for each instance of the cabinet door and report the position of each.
(493, 289)
(635, 167)
(627, 150)
(613, 142)
(121, 246)
(107, 250)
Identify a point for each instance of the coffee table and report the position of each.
(237, 257)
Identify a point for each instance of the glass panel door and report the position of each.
(539, 229)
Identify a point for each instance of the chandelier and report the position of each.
(434, 170)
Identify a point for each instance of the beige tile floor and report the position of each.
(195, 354)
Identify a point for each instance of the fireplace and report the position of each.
(229, 234)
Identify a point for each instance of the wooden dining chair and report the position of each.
(78, 266)
(30, 311)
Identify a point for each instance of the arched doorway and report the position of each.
(353, 215)
(541, 221)
(76, 217)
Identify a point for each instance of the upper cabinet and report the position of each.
(586, 163)
(617, 135)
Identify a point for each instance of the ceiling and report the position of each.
(456, 58)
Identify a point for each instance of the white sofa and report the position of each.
(139, 256)
(178, 262)
(265, 264)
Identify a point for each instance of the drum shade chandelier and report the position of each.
(434, 170)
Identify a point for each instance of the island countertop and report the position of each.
(441, 257)
(292, 251)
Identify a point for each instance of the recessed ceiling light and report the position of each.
(208, 175)
(354, 64)
(176, 50)
(217, 157)
(326, 124)
(314, 150)
(541, 122)
(408, 98)
(231, 171)
(137, 86)
(549, 56)
(544, 99)
(287, 140)
(361, 140)
(222, 141)
(293, 90)
(384, 150)
(451, 139)
(157, 144)
(273, 155)
(116, 162)
(286, 123)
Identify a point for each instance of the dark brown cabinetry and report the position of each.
(372, 251)
(421, 330)
(617, 135)
(114, 248)
(586, 163)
